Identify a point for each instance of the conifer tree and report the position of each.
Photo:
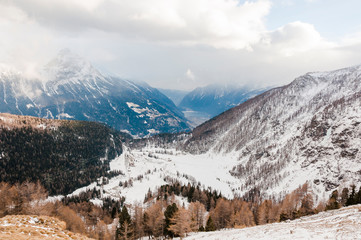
(168, 214)
(210, 225)
(351, 198)
(263, 212)
(180, 223)
(333, 201)
(242, 215)
(125, 228)
(358, 197)
(154, 219)
(138, 222)
(307, 205)
(222, 213)
(197, 212)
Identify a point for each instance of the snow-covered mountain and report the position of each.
(307, 131)
(206, 102)
(71, 88)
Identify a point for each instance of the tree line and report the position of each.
(206, 210)
(164, 216)
(345, 198)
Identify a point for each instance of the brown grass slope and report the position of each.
(35, 227)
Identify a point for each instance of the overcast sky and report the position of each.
(182, 44)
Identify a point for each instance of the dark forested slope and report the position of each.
(62, 155)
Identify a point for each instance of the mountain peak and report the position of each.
(7, 69)
(338, 72)
(68, 64)
(66, 55)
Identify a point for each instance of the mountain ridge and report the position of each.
(71, 88)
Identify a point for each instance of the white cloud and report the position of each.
(190, 75)
(295, 37)
(351, 39)
(195, 42)
(218, 23)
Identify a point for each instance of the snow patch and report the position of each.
(64, 115)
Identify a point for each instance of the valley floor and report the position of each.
(342, 224)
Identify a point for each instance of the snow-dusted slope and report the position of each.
(308, 131)
(337, 224)
(71, 88)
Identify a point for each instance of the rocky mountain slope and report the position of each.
(337, 224)
(307, 131)
(206, 102)
(69, 87)
(309, 127)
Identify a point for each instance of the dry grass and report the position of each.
(35, 227)
(17, 121)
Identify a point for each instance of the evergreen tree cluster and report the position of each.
(193, 193)
(354, 197)
(109, 205)
(346, 198)
(62, 159)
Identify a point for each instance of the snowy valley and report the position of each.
(275, 157)
(307, 131)
(174, 119)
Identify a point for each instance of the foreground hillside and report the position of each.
(336, 224)
(35, 228)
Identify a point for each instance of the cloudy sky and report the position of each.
(182, 44)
